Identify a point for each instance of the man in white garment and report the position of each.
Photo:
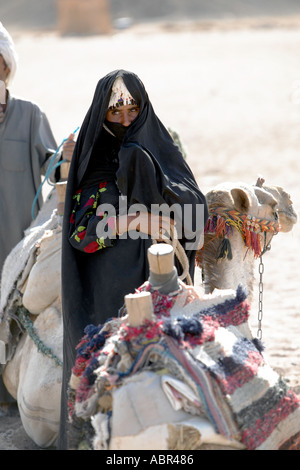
(26, 144)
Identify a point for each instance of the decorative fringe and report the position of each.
(221, 222)
(224, 250)
(181, 327)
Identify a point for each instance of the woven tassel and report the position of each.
(221, 227)
(247, 238)
(224, 250)
(255, 243)
(211, 224)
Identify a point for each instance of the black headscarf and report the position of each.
(148, 169)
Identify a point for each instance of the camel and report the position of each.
(31, 297)
(38, 396)
(243, 220)
(189, 381)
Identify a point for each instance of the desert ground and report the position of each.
(232, 91)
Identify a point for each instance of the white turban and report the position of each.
(8, 52)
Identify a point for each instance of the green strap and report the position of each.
(24, 317)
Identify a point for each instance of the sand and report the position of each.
(233, 94)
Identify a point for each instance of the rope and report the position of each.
(24, 317)
(179, 253)
(50, 169)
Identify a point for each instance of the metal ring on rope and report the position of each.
(178, 250)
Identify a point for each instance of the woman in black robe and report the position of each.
(119, 164)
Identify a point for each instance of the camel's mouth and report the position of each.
(287, 219)
(291, 214)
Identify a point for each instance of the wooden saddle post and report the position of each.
(163, 277)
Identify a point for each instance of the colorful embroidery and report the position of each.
(85, 233)
(95, 246)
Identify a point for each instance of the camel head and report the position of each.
(253, 207)
(285, 209)
(240, 227)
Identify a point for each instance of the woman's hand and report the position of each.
(151, 224)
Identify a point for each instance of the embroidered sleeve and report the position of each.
(84, 221)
